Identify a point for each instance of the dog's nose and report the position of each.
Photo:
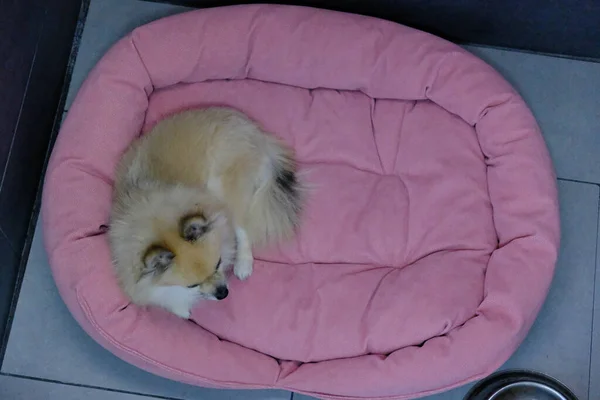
(221, 292)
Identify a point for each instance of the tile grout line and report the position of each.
(595, 280)
(85, 386)
(578, 181)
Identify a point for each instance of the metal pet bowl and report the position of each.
(519, 385)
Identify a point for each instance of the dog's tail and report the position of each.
(276, 206)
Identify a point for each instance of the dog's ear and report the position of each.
(194, 227)
(157, 260)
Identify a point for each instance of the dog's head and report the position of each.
(173, 236)
(187, 252)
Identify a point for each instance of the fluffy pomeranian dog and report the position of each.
(190, 200)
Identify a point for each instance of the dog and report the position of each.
(191, 198)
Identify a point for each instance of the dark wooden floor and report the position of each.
(36, 37)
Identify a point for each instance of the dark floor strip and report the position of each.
(24, 251)
(561, 28)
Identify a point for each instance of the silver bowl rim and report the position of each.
(490, 385)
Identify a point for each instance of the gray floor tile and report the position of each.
(12, 388)
(559, 342)
(595, 352)
(107, 22)
(46, 342)
(563, 95)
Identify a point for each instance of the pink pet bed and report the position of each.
(428, 243)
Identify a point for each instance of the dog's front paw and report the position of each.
(182, 312)
(243, 267)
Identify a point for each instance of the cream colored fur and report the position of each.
(191, 198)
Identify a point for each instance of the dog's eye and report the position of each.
(193, 286)
(218, 265)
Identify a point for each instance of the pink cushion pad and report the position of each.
(429, 239)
